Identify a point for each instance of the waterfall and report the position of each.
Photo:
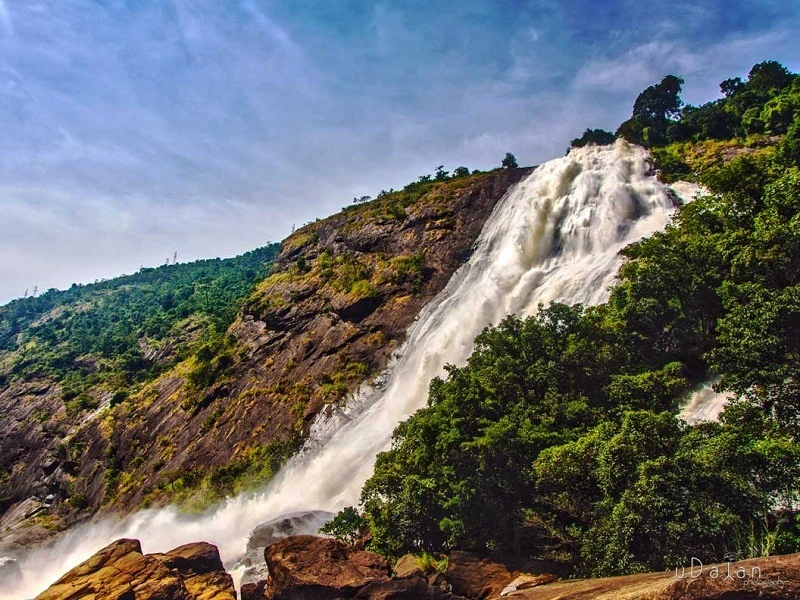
(704, 404)
(555, 236)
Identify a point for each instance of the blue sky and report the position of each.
(133, 129)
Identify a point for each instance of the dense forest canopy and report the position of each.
(560, 438)
(126, 330)
(764, 104)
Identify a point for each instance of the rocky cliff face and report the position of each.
(337, 304)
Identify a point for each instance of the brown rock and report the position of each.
(407, 567)
(413, 588)
(217, 585)
(477, 577)
(269, 532)
(118, 572)
(253, 591)
(527, 581)
(201, 568)
(313, 568)
(308, 567)
(121, 572)
(772, 578)
(191, 559)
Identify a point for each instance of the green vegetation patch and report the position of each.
(197, 490)
(118, 334)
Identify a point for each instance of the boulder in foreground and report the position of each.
(306, 567)
(121, 572)
(771, 578)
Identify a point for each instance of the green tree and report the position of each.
(710, 121)
(660, 102)
(788, 154)
(647, 494)
(598, 137)
(345, 526)
(459, 471)
(132, 328)
(509, 162)
(769, 75)
(731, 86)
(653, 110)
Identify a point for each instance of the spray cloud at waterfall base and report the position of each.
(555, 236)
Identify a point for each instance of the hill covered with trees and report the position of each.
(125, 330)
(64, 354)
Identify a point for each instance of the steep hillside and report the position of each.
(118, 327)
(225, 414)
(66, 356)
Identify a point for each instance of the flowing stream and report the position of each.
(555, 236)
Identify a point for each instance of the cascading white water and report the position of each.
(555, 236)
(704, 404)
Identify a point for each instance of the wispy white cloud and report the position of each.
(5, 19)
(645, 64)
